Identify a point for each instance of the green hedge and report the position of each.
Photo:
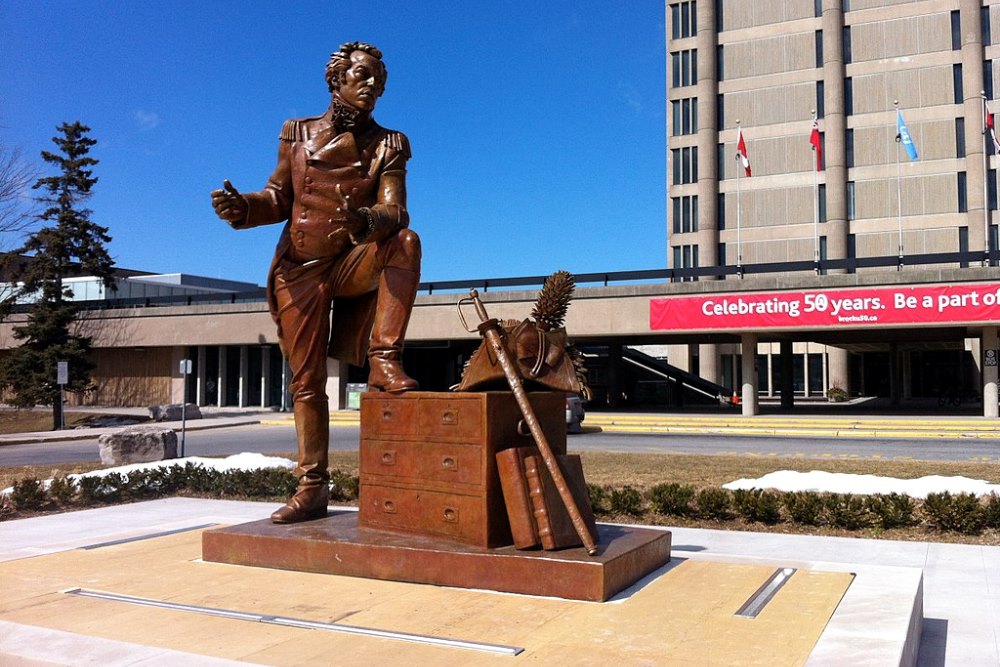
(945, 512)
(266, 483)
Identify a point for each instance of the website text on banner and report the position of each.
(823, 308)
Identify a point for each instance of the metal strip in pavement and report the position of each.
(298, 622)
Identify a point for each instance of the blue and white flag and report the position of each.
(903, 136)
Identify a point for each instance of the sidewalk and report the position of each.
(961, 595)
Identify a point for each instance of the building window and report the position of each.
(822, 202)
(956, 31)
(818, 8)
(685, 210)
(963, 198)
(683, 19)
(960, 137)
(851, 201)
(720, 161)
(721, 213)
(722, 255)
(684, 68)
(986, 29)
(848, 96)
(963, 244)
(685, 116)
(720, 111)
(718, 16)
(815, 368)
(686, 257)
(820, 99)
(720, 64)
(847, 45)
(685, 165)
(988, 79)
(991, 189)
(956, 77)
(819, 48)
(849, 147)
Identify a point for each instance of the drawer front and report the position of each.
(452, 516)
(387, 416)
(451, 418)
(439, 462)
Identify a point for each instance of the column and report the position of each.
(988, 364)
(706, 42)
(972, 85)
(834, 125)
(709, 362)
(748, 391)
(336, 381)
(223, 372)
(265, 375)
(244, 381)
(838, 372)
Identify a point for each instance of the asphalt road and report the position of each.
(259, 438)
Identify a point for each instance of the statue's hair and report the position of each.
(340, 61)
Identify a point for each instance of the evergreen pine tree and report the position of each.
(68, 243)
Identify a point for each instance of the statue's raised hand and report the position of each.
(229, 204)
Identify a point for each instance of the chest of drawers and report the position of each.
(428, 460)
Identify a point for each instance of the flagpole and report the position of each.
(899, 193)
(815, 203)
(739, 243)
(986, 187)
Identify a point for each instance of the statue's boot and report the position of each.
(312, 426)
(397, 291)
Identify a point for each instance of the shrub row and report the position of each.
(30, 494)
(962, 512)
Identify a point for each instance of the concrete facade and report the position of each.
(766, 68)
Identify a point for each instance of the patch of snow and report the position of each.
(836, 482)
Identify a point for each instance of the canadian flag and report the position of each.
(741, 151)
(817, 144)
(988, 121)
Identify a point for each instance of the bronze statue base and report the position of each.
(337, 545)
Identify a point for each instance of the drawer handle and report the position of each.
(389, 507)
(449, 418)
(387, 415)
(389, 458)
(451, 515)
(522, 429)
(449, 463)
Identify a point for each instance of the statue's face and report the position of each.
(358, 86)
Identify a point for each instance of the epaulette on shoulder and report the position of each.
(397, 141)
(291, 130)
(295, 129)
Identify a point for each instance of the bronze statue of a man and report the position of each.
(341, 185)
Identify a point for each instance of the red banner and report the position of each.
(978, 302)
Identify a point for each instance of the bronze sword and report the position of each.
(490, 329)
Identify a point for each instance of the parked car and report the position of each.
(575, 414)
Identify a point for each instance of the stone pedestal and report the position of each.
(337, 545)
(432, 510)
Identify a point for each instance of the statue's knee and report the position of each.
(405, 250)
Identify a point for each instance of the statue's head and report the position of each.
(356, 74)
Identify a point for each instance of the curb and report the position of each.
(90, 434)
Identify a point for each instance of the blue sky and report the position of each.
(538, 128)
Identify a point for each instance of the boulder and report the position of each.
(137, 444)
(172, 412)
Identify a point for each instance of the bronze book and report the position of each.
(535, 509)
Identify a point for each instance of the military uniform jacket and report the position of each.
(313, 160)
